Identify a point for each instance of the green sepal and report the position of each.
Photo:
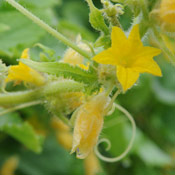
(96, 18)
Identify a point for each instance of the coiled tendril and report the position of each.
(115, 159)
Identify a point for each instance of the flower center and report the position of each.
(126, 61)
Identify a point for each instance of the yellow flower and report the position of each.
(63, 133)
(164, 15)
(22, 72)
(85, 67)
(88, 125)
(10, 165)
(65, 139)
(169, 43)
(129, 56)
(92, 165)
(167, 11)
(74, 58)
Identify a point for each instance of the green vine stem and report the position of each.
(49, 29)
(14, 98)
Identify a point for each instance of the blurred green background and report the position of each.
(151, 102)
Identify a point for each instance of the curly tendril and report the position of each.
(104, 140)
(112, 110)
(118, 158)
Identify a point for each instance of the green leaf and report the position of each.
(151, 154)
(141, 169)
(96, 18)
(54, 160)
(4, 27)
(162, 121)
(71, 10)
(39, 3)
(68, 28)
(21, 31)
(65, 70)
(21, 131)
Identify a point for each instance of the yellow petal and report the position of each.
(147, 52)
(134, 36)
(65, 139)
(88, 125)
(105, 57)
(92, 165)
(10, 166)
(73, 57)
(59, 125)
(17, 72)
(85, 67)
(24, 73)
(86, 131)
(118, 38)
(127, 77)
(147, 65)
(167, 9)
(25, 54)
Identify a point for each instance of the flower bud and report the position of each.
(64, 103)
(167, 11)
(73, 57)
(165, 15)
(88, 125)
(107, 74)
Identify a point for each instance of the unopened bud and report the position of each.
(88, 125)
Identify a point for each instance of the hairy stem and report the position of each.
(14, 98)
(49, 29)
